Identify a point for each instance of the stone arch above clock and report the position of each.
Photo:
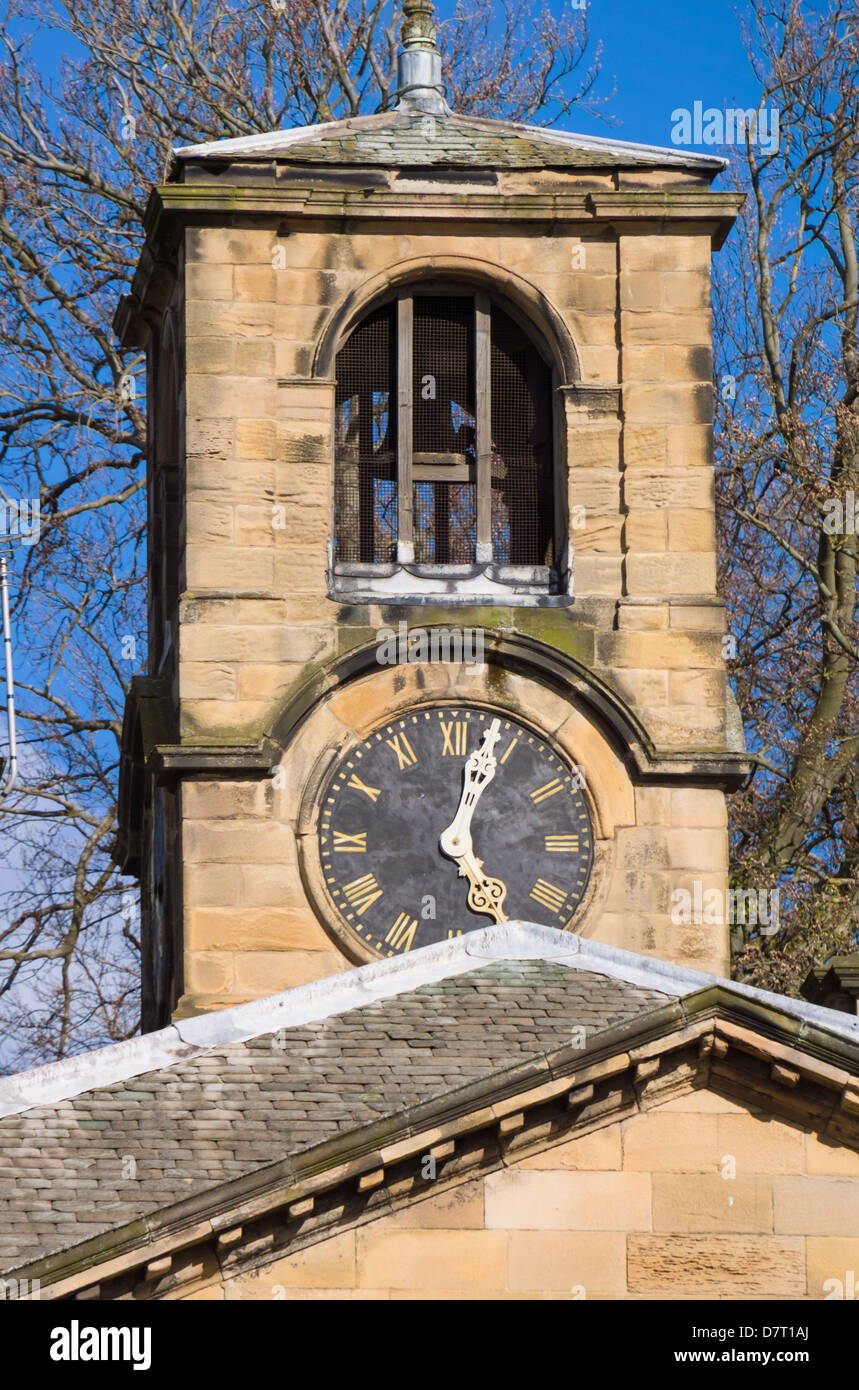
(265, 251)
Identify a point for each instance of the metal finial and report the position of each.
(418, 23)
(419, 63)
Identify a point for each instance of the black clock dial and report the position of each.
(519, 838)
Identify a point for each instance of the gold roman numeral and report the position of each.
(406, 756)
(548, 789)
(562, 844)
(350, 844)
(402, 933)
(509, 749)
(373, 792)
(362, 892)
(455, 738)
(548, 894)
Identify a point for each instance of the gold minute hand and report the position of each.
(479, 772)
(485, 894)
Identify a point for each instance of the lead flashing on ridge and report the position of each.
(368, 984)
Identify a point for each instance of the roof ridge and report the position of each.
(368, 984)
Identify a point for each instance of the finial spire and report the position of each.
(419, 63)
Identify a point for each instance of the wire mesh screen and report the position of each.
(443, 437)
(522, 491)
(365, 472)
(444, 444)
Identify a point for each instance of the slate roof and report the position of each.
(400, 138)
(194, 1124)
(218, 1097)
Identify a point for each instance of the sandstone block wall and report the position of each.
(254, 616)
(259, 437)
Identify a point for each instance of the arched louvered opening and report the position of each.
(444, 439)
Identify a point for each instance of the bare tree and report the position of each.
(788, 453)
(79, 152)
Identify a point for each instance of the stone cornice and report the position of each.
(195, 199)
(657, 202)
(169, 761)
(172, 205)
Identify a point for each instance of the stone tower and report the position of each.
(434, 637)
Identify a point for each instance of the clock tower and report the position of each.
(434, 638)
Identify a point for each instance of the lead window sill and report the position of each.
(515, 585)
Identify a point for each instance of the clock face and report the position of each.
(446, 820)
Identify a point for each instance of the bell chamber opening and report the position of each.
(444, 447)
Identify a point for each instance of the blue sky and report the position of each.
(660, 55)
(664, 55)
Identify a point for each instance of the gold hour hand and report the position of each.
(485, 894)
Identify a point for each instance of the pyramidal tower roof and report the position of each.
(420, 129)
